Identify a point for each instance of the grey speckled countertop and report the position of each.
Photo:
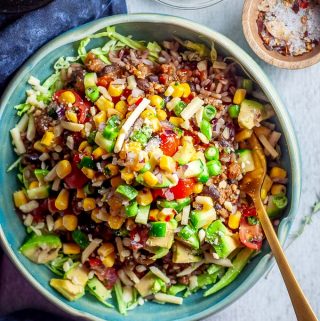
(300, 92)
(268, 300)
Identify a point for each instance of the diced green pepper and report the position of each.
(91, 137)
(127, 191)
(80, 238)
(158, 229)
(211, 153)
(247, 84)
(87, 161)
(132, 209)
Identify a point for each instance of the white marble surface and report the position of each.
(300, 91)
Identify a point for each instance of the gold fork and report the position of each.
(251, 185)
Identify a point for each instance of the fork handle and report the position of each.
(301, 306)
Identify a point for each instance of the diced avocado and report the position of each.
(69, 290)
(159, 253)
(166, 241)
(183, 254)
(245, 160)
(97, 289)
(189, 236)
(221, 239)
(164, 184)
(38, 193)
(194, 169)
(177, 205)
(143, 214)
(77, 274)
(127, 191)
(276, 204)
(185, 152)
(41, 248)
(201, 218)
(251, 113)
(145, 286)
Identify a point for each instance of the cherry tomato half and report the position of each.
(76, 179)
(169, 143)
(184, 188)
(250, 235)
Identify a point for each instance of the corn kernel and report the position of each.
(121, 107)
(80, 193)
(178, 91)
(186, 89)
(197, 188)
(166, 215)
(144, 197)
(83, 145)
(157, 101)
(115, 222)
(112, 170)
(70, 248)
(62, 201)
(90, 173)
(243, 135)
(98, 152)
(89, 204)
(239, 96)
(167, 163)
(127, 176)
(109, 260)
(115, 90)
(88, 150)
(99, 215)
(99, 118)
(176, 121)
(150, 178)
(63, 168)
(267, 183)
(33, 184)
(70, 222)
(19, 198)
(169, 91)
(278, 189)
(153, 215)
(58, 226)
(39, 147)
(277, 172)
(132, 100)
(105, 249)
(47, 138)
(234, 220)
(71, 116)
(161, 114)
(67, 97)
(155, 124)
(104, 104)
(149, 114)
(116, 181)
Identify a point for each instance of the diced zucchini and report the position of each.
(127, 191)
(143, 214)
(251, 113)
(38, 193)
(202, 218)
(245, 160)
(177, 205)
(194, 169)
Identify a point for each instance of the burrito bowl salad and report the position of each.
(130, 161)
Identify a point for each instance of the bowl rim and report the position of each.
(206, 4)
(272, 57)
(80, 32)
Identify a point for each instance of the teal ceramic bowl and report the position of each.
(148, 27)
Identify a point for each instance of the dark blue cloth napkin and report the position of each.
(22, 37)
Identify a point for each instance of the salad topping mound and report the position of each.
(130, 158)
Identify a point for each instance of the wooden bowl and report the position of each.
(250, 29)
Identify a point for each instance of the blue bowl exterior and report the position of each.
(153, 27)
